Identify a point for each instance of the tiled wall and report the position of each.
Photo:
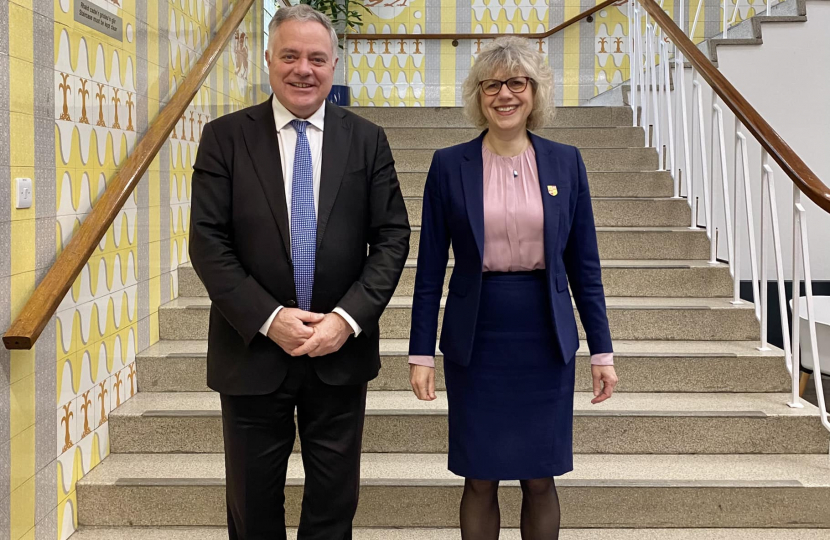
(73, 104)
(587, 58)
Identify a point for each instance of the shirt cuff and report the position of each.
(422, 360)
(267, 325)
(604, 359)
(348, 318)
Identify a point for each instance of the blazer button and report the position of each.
(291, 303)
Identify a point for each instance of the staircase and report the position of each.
(697, 443)
(750, 31)
(747, 32)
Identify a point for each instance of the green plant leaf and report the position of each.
(348, 12)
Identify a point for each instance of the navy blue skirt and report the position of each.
(511, 409)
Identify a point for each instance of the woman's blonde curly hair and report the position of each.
(510, 57)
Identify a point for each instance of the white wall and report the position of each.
(787, 80)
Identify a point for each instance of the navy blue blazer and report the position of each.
(453, 212)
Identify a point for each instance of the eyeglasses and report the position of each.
(517, 85)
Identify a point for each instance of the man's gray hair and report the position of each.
(510, 57)
(305, 13)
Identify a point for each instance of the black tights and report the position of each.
(480, 519)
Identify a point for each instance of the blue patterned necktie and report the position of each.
(303, 219)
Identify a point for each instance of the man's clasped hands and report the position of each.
(301, 332)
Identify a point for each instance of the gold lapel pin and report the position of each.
(552, 191)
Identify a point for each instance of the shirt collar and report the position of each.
(283, 116)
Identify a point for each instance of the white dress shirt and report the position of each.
(287, 137)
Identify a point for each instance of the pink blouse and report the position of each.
(514, 219)
(513, 223)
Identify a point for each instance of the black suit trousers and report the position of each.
(259, 434)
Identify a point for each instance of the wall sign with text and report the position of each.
(98, 19)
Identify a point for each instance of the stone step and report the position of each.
(610, 212)
(643, 366)
(633, 243)
(698, 319)
(416, 490)
(581, 137)
(397, 422)
(596, 159)
(633, 318)
(220, 533)
(620, 278)
(444, 117)
(601, 184)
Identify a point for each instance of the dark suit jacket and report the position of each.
(240, 244)
(454, 213)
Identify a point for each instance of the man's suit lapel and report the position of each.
(472, 182)
(261, 139)
(336, 142)
(550, 174)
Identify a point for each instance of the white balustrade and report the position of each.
(673, 126)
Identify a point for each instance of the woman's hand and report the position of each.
(605, 379)
(422, 379)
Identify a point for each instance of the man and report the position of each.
(299, 233)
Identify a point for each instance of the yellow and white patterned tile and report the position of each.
(67, 426)
(517, 16)
(389, 72)
(97, 106)
(611, 48)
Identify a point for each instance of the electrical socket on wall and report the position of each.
(24, 193)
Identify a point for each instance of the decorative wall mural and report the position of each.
(520, 16)
(611, 48)
(400, 66)
(387, 9)
(104, 94)
(386, 71)
(591, 66)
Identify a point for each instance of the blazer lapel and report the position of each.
(336, 141)
(260, 135)
(472, 182)
(550, 173)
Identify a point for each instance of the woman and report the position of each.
(517, 211)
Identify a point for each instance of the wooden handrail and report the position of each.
(787, 159)
(46, 298)
(457, 37)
